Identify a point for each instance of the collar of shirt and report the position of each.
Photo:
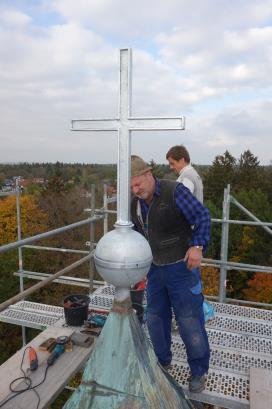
(189, 166)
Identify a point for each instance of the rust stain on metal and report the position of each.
(123, 307)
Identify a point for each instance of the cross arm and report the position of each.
(94, 124)
(154, 123)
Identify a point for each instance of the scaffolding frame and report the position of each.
(102, 214)
(36, 315)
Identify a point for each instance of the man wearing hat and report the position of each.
(164, 211)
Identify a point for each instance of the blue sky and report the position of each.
(208, 60)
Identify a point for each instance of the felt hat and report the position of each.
(138, 166)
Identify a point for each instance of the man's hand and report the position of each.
(193, 257)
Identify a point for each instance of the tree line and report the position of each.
(70, 173)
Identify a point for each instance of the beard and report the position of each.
(142, 195)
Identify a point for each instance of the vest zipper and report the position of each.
(149, 208)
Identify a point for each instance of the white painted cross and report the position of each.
(124, 125)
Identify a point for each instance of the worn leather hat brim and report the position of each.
(139, 166)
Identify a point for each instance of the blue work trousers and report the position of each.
(175, 287)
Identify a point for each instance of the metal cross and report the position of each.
(124, 125)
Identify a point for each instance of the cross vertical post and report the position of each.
(124, 140)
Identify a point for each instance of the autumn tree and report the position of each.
(259, 288)
(210, 279)
(33, 219)
(48, 210)
(63, 208)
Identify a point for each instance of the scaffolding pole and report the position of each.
(224, 244)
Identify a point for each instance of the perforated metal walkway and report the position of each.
(32, 314)
(240, 338)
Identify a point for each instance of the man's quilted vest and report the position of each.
(166, 228)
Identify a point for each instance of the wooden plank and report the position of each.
(58, 374)
(260, 388)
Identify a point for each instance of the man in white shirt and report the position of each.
(179, 160)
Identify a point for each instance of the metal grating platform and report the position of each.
(226, 390)
(240, 338)
(101, 301)
(231, 360)
(39, 308)
(107, 290)
(247, 312)
(232, 340)
(31, 314)
(241, 325)
(103, 297)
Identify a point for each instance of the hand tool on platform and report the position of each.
(69, 346)
(58, 350)
(33, 359)
(82, 340)
(97, 319)
(48, 345)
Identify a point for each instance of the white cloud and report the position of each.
(208, 60)
(222, 140)
(13, 18)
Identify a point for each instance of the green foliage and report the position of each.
(10, 340)
(9, 285)
(251, 186)
(249, 173)
(266, 182)
(251, 243)
(157, 170)
(55, 184)
(2, 177)
(74, 173)
(246, 173)
(63, 199)
(218, 176)
(215, 241)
